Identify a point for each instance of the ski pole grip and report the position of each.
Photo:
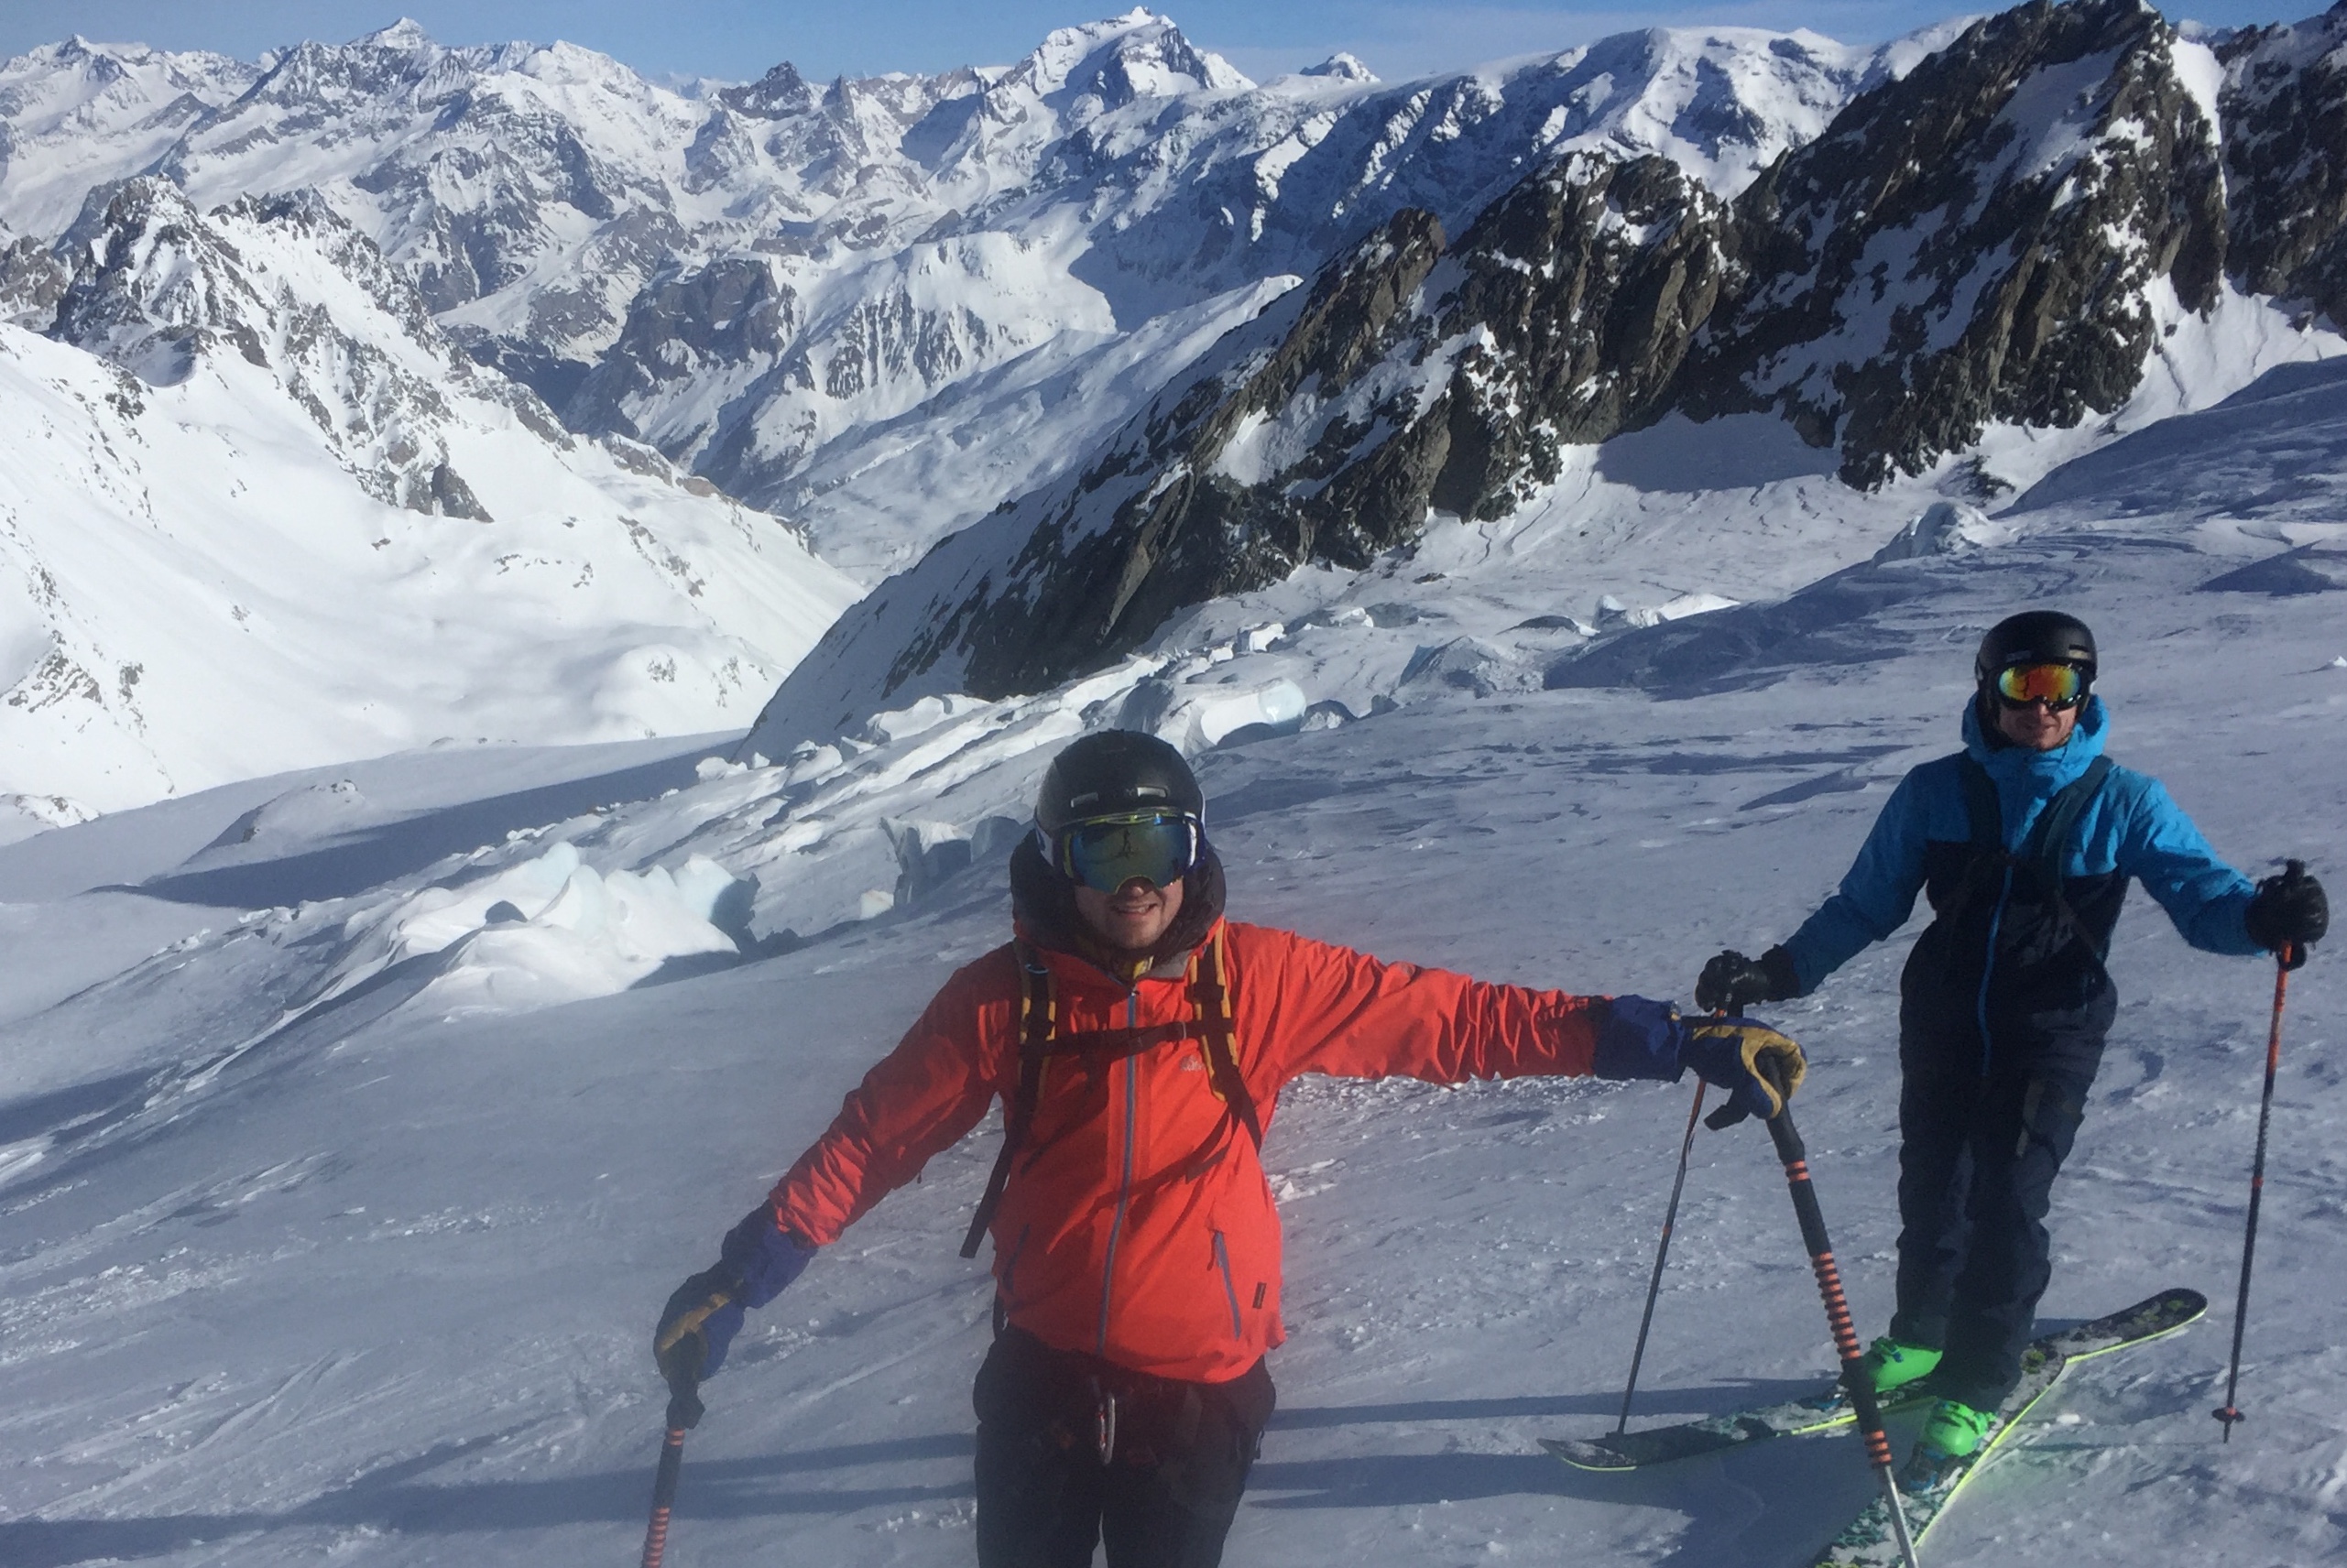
(1732, 1113)
(684, 1407)
(683, 1371)
(2292, 955)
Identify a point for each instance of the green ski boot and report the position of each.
(1896, 1363)
(1944, 1449)
(1953, 1429)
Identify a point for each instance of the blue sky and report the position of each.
(739, 38)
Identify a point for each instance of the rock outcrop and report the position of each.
(1976, 243)
(2284, 108)
(1998, 236)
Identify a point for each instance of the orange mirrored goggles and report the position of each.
(2055, 685)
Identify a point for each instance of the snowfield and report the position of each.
(354, 1124)
(262, 516)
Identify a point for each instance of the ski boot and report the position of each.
(1895, 1364)
(1950, 1438)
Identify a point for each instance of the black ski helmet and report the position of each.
(1111, 771)
(2034, 637)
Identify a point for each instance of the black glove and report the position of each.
(1733, 982)
(2289, 912)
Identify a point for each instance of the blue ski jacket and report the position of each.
(2010, 965)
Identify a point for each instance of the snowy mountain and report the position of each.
(760, 279)
(326, 1234)
(1117, 175)
(263, 514)
(1036, 341)
(2028, 231)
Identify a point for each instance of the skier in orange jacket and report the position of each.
(1139, 1042)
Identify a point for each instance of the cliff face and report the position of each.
(2285, 109)
(1996, 236)
(1976, 243)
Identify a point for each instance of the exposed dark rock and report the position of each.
(1974, 243)
(32, 282)
(777, 94)
(2284, 107)
(452, 497)
(729, 311)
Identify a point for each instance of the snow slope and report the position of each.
(308, 529)
(293, 1271)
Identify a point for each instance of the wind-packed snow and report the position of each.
(322, 1237)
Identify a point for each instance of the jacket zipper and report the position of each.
(1125, 1182)
(1988, 965)
(1229, 1291)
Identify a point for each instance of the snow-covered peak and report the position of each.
(1138, 55)
(1342, 66)
(406, 33)
(75, 114)
(164, 284)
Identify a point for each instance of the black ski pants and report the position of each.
(1977, 1160)
(1162, 1495)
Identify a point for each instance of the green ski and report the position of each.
(1826, 1410)
(1925, 1493)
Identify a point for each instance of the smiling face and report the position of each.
(1131, 918)
(2035, 725)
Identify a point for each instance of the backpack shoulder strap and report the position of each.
(1980, 800)
(2049, 841)
(1038, 1020)
(1210, 990)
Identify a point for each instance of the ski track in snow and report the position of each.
(288, 1274)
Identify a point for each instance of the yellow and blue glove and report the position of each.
(1640, 1038)
(757, 1260)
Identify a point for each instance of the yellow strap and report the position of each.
(690, 1323)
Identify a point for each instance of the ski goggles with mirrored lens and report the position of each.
(2055, 685)
(1106, 853)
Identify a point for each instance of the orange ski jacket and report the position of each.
(1138, 1227)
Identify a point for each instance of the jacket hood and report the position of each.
(2023, 776)
(1042, 907)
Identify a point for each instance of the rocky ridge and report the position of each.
(2001, 236)
(756, 279)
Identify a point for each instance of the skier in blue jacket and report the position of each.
(2024, 843)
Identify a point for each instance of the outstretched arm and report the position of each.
(2207, 900)
(917, 1101)
(1309, 1007)
(1876, 895)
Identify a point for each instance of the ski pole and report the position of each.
(1661, 1251)
(2287, 959)
(1854, 1375)
(684, 1410)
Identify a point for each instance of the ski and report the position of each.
(1825, 1411)
(1926, 1490)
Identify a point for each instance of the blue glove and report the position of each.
(757, 1259)
(1640, 1038)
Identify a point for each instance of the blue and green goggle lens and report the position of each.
(1106, 853)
